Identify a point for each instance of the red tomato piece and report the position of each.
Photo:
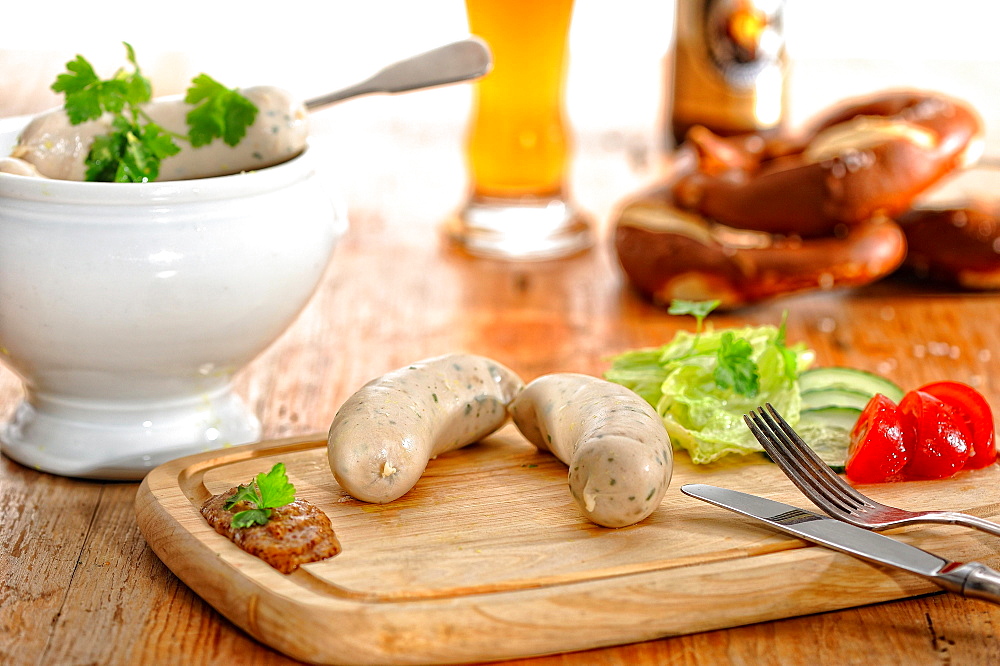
(978, 416)
(941, 441)
(878, 450)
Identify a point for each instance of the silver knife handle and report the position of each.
(973, 580)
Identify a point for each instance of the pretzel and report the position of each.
(669, 253)
(861, 159)
(958, 246)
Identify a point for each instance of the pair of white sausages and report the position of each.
(49, 146)
(615, 445)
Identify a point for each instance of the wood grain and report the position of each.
(58, 533)
(489, 558)
(80, 585)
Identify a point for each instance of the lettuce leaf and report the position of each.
(690, 383)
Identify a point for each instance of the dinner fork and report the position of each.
(831, 493)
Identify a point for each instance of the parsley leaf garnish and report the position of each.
(788, 356)
(88, 97)
(130, 153)
(83, 91)
(219, 113)
(736, 368)
(698, 309)
(267, 491)
(132, 150)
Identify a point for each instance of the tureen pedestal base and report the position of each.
(104, 439)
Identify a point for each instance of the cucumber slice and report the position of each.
(834, 397)
(830, 442)
(852, 379)
(827, 431)
(838, 417)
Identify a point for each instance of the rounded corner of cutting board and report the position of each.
(610, 604)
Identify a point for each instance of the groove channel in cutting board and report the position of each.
(488, 557)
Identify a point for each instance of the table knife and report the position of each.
(971, 579)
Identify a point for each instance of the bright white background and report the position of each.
(615, 83)
(617, 46)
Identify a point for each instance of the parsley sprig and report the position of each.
(703, 382)
(267, 491)
(219, 113)
(697, 309)
(133, 148)
(735, 367)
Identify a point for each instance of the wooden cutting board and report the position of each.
(488, 557)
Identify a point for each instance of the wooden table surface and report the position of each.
(79, 584)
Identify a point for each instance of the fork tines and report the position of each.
(806, 470)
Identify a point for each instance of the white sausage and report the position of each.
(384, 435)
(617, 448)
(278, 133)
(18, 167)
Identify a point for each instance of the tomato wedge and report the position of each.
(978, 417)
(878, 449)
(941, 441)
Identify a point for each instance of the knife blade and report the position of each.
(970, 579)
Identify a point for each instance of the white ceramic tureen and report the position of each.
(126, 308)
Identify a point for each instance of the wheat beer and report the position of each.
(517, 142)
(728, 67)
(517, 148)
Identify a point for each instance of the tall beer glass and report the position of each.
(517, 148)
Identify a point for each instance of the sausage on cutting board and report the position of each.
(383, 436)
(617, 448)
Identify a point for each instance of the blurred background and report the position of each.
(615, 88)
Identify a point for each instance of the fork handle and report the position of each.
(956, 518)
(973, 580)
(963, 519)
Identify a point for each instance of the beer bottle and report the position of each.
(729, 67)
